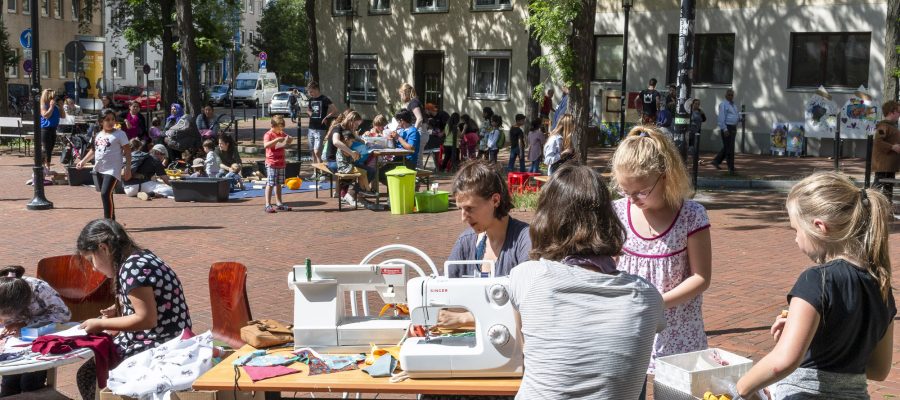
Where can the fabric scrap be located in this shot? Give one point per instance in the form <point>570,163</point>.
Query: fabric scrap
<point>383,367</point>
<point>257,374</point>
<point>325,364</point>
<point>377,352</point>
<point>105,354</point>
<point>271,360</point>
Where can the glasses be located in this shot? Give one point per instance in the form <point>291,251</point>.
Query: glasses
<point>640,195</point>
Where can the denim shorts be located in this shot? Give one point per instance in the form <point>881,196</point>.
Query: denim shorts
<point>275,175</point>
<point>315,140</point>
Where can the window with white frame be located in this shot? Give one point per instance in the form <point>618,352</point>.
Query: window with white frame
<point>430,5</point>
<point>62,65</point>
<point>489,75</point>
<point>250,6</point>
<point>26,7</point>
<point>13,70</point>
<point>58,10</point>
<point>491,5</point>
<point>380,7</point>
<point>45,8</point>
<point>342,7</point>
<point>11,6</point>
<point>156,69</point>
<point>363,78</point>
<point>608,58</point>
<point>45,64</point>
<point>75,11</point>
<point>119,70</point>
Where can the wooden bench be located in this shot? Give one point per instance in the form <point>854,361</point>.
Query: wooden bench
<point>16,124</point>
<point>354,178</point>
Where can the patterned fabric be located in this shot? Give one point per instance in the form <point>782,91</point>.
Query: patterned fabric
<point>807,383</point>
<point>663,261</point>
<point>319,364</point>
<point>275,176</point>
<point>172,366</point>
<point>46,305</point>
<point>145,269</point>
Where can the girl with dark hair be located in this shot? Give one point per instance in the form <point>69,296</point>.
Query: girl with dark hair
<point>228,153</point>
<point>26,301</point>
<point>110,145</point>
<point>151,306</point>
<point>451,141</point>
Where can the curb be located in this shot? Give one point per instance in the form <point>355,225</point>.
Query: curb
<point>717,184</point>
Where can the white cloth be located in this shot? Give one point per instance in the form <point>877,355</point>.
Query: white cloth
<point>155,373</point>
<point>159,189</point>
<point>108,152</point>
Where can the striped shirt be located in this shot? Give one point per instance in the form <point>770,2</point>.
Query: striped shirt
<point>587,334</point>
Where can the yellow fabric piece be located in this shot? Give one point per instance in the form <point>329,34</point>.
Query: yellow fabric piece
<point>380,351</point>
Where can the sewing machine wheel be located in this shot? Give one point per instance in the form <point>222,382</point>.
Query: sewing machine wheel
<point>499,335</point>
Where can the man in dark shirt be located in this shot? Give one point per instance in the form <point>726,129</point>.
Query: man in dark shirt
<point>648,102</point>
<point>517,144</point>
<point>671,99</point>
<point>320,110</point>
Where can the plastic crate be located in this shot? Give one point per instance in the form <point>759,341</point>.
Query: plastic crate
<point>432,202</point>
<point>700,371</point>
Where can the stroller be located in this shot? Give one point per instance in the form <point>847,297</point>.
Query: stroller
<point>183,136</point>
<point>76,146</point>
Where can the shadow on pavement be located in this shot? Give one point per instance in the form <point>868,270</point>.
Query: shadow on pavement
<point>173,228</point>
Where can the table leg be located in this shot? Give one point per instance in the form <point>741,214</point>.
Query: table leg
<point>377,186</point>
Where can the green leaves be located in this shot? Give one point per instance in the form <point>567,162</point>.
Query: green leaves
<point>552,21</point>
<point>282,33</point>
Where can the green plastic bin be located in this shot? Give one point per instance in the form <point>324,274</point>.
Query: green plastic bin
<point>432,202</point>
<point>401,183</point>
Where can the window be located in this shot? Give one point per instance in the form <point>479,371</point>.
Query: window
<point>119,70</point>
<point>45,8</point>
<point>45,64</point>
<point>342,7</point>
<point>76,13</point>
<point>380,7</point>
<point>250,37</point>
<point>430,6</point>
<point>250,6</point>
<point>11,6</point>
<point>489,75</point>
<point>829,59</point>
<point>242,37</point>
<point>26,7</point>
<point>363,78</point>
<point>492,5</point>
<point>62,65</point>
<point>713,59</point>
<point>58,10</point>
<point>156,69</point>
<point>13,70</point>
<point>608,58</point>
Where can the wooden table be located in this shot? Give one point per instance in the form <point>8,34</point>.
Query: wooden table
<point>221,377</point>
<point>379,153</point>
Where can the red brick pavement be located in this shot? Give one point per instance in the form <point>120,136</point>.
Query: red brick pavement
<point>755,259</point>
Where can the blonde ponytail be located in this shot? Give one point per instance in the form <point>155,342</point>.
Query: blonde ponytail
<point>646,151</point>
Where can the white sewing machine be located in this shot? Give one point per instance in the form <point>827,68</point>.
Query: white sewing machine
<point>320,310</point>
<point>494,351</point>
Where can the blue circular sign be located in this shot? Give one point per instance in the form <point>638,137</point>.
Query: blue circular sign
<point>263,56</point>
<point>25,38</point>
<point>26,65</point>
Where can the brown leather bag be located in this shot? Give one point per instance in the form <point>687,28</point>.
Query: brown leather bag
<point>264,333</point>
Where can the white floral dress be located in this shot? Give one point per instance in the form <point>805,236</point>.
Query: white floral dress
<point>663,261</point>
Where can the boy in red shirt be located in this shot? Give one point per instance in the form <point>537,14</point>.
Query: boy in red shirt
<point>275,140</point>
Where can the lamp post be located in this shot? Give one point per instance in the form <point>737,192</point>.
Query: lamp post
<point>349,29</point>
<point>38,202</point>
<point>626,5</point>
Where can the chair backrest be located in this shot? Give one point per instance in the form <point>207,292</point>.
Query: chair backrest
<point>228,301</point>
<point>10,122</point>
<point>84,290</point>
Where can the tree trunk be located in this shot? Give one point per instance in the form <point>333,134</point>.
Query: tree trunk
<point>4,89</point>
<point>582,41</point>
<point>313,39</point>
<point>190,77</point>
<point>533,74</point>
<point>169,90</point>
<point>891,58</point>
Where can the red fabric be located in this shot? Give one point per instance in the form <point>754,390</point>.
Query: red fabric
<point>259,373</point>
<point>105,355</point>
<point>274,157</point>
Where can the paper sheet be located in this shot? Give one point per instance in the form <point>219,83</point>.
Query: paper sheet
<point>73,331</point>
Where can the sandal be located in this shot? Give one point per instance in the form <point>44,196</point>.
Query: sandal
<point>282,207</point>
<point>270,210</point>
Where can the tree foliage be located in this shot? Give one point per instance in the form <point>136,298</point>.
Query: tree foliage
<point>282,33</point>
<point>9,58</point>
<point>551,21</point>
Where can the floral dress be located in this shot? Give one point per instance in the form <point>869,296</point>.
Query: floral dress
<point>46,306</point>
<point>663,261</point>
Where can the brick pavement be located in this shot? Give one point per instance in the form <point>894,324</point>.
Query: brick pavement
<point>755,259</point>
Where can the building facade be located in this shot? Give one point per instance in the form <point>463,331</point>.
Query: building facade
<point>461,55</point>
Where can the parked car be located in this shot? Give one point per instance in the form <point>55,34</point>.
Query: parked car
<point>127,94</point>
<point>218,95</point>
<point>281,104</point>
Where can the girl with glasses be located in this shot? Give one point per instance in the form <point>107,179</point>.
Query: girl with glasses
<point>668,239</point>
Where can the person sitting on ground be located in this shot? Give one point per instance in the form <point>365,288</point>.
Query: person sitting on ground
<point>199,168</point>
<point>144,167</point>
<point>157,136</point>
<point>151,308</point>
<point>213,162</point>
<point>26,301</point>
<point>571,298</point>
<point>175,114</point>
<point>234,175</point>
<point>206,123</point>
<point>228,154</point>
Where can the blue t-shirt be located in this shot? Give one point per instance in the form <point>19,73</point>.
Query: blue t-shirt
<point>53,122</point>
<point>411,136</point>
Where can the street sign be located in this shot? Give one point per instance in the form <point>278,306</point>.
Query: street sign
<point>682,121</point>
<point>146,69</point>
<point>27,53</point>
<point>263,56</point>
<point>262,65</point>
<point>75,51</point>
<point>25,38</point>
<point>113,63</point>
<point>26,65</point>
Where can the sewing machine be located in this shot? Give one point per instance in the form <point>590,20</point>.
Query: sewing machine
<point>494,351</point>
<point>320,309</point>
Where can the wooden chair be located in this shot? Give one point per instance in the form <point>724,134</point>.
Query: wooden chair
<point>229,303</point>
<point>84,290</point>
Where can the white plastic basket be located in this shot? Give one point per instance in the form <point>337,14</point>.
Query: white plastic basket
<point>700,371</point>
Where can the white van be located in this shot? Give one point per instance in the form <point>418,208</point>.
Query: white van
<point>252,88</point>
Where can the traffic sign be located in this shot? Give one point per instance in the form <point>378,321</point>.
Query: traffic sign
<point>263,64</point>
<point>146,69</point>
<point>25,38</point>
<point>113,63</point>
<point>27,53</point>
<point>263,56</point>
<point>26,65</point>
<point>75,51</point>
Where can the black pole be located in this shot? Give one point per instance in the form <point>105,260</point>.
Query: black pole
<point>254,129</point>
<point>347,78</point>
<point>624,94</point>
<point>869,143</point>
<point>231,89</point>
<point>77,68</point>
<point>837,147</point>
<point>685,68</point>
<point>743,127</point>
<point>38,202</point>
<point>696,157</point>
<point>147,93</point>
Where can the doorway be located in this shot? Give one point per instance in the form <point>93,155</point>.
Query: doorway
<point>428,76</point>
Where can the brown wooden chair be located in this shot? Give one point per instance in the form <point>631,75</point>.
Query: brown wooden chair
<point>229,303</point>
<point>84,290</point>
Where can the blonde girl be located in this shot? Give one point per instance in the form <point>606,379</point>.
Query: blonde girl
<point>559,140</point>
<point>839,327</point>
<point>411,102</point>
<point>51,112</point>
<point>668,239</point>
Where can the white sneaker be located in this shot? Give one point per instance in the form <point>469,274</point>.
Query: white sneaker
<point>348,199</point>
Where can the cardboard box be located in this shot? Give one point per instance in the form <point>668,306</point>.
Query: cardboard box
<point>105,394</point>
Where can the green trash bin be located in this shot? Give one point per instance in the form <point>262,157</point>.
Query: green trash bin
<point>401,183</point>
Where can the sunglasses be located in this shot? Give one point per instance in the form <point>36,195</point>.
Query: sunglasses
<point>640,195</point>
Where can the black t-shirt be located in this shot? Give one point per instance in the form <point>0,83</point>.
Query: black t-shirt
<point>413,104</point>
<point>144,167</point>
<point>331,152</point>
<point>853,316</point>
<point>439,121</point>
<point>515,136</point>
<point>649,101</point>
<point>318,109</point>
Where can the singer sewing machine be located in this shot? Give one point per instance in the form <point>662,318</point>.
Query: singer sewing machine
<point>321,319</point>
<point>494,351</point>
